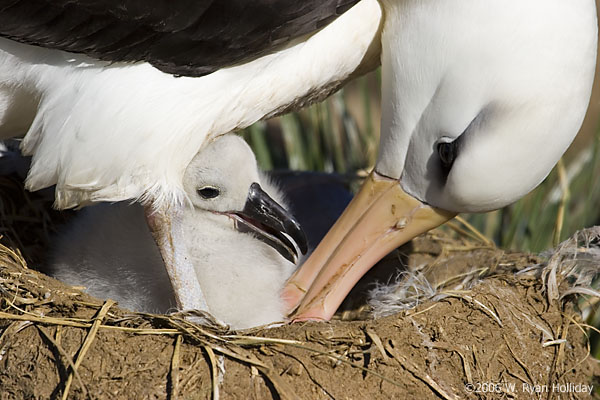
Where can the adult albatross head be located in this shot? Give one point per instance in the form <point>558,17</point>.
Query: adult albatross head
<point>480,100</point>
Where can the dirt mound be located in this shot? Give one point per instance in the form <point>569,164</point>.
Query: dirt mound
<point>507,326</point>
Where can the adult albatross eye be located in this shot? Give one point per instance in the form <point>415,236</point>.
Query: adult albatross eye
<point>447,154</point>
<point>208,192</point>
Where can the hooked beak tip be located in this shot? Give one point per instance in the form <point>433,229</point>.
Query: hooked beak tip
<point>272,223</point>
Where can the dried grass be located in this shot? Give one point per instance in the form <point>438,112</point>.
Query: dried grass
<point>513,304</point>
<point>31,299</point>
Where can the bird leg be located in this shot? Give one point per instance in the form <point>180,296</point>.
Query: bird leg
<point>165,224</point>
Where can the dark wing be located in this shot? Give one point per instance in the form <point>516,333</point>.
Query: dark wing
<point>182,37</point>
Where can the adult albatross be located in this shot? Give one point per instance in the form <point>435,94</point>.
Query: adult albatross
<point>481,98</point>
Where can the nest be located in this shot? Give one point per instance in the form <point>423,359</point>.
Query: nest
<point>506,325</point>
<point>463,320</point>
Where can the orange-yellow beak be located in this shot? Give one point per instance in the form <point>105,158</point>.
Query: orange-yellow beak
<point>379,219</point>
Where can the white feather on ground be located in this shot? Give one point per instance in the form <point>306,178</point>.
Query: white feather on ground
<point>577,259</point>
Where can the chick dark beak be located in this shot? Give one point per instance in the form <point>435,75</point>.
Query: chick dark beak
<point>271,223</point>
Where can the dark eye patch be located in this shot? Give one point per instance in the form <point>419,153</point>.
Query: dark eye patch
<point>208,192</point>
<point>447,153</point>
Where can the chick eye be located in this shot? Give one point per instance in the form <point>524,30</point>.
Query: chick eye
<point>447,154</point>
<point>208,192</point>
